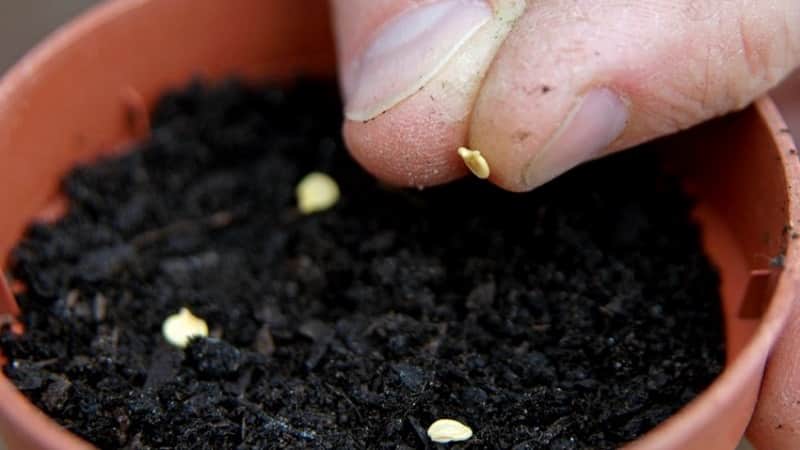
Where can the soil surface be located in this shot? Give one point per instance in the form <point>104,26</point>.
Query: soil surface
<point>577,316</point>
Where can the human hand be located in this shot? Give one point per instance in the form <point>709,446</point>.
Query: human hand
<point>542,87</point>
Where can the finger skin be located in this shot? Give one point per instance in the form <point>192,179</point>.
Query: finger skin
<point>390,146</point>
<point>673,62</point>
<point>355,23</point>
<point>415,142</point>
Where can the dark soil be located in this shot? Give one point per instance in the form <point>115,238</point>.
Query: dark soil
<point>577,316</point>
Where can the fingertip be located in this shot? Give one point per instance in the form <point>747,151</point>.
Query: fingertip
<point>408,109</point>
<point>405,149</point>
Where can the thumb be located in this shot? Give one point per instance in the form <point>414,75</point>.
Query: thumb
<point>410,71</point>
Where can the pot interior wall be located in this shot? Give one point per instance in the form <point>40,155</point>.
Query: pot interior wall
<point>734,170</point>
<point>81,97</point>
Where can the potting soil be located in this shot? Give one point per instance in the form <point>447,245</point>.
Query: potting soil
<point>577,316</point>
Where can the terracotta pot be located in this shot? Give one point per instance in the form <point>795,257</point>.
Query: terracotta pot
<point>87,90</point>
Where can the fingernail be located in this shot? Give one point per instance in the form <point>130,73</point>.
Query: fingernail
<point>589,128</point>
<point>407,52</point>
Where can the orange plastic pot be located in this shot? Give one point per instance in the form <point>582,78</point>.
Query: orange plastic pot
<point>86,91</point>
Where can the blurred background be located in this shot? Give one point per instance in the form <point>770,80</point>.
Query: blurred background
<point>23,23</point>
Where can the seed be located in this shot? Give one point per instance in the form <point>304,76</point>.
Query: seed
<point>179,328</point>
<point>475,162</point>
<point>316,192</point>
<point>449,430</point>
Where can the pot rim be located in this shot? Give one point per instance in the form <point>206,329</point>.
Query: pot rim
<point>18,414</point>
<point>722,391</point>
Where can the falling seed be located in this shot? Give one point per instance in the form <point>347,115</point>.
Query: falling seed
<point>449,430</point>
<point>179,328</point>
<point>316,192</point>
<point>475,162</point>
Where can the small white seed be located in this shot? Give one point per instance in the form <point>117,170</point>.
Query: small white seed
<point>179,329</point>
<point>449,430</point>
<point>316,192</point>
<point>475,162</point>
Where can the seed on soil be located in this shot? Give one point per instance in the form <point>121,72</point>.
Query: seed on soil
<point>449,430</point>
<point>180,328</point>
<point>316,192</point>
<point>475,162</point>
